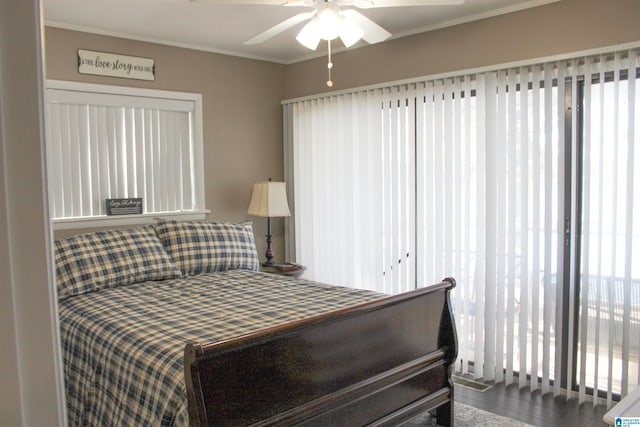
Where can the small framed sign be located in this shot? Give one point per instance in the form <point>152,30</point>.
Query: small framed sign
<point>131,206</point>
<point>113,65</point>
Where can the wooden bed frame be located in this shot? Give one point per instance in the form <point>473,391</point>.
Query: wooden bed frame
<point>377,363</point>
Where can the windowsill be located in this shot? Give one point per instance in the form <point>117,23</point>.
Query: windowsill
<point>116,220</point>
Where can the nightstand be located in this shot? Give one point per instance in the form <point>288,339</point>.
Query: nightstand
<point>286,269</point>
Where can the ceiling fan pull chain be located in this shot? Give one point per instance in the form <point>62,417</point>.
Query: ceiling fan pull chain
<point>329,65</point>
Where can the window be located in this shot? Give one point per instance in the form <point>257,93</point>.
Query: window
<point>107,142</point>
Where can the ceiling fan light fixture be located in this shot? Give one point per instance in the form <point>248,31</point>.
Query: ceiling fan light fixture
<point>329,24</point>
<point>309,35</point>
<point>329,21</point>
<point>350,32</point>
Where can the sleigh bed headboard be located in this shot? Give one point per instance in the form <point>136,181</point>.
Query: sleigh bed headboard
<point>377,363</point>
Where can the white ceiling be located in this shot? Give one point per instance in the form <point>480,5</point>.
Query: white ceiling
<point>205,25</point>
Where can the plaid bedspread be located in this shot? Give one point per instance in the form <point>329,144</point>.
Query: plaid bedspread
<point>123,347</point>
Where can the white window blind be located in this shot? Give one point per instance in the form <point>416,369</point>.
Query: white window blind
<point>109,142</point>
<point>609,322</point>
<point>354,178</point>
<point>504,179</point>
<point>488,214</point>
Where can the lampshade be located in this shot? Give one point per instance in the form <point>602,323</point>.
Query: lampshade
<point>329,21</point>
<point>309,36</point>
<point>269,199</point>
<point>350,33</point>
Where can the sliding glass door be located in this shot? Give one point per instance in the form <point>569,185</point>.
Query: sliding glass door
<point>521,183</point>
<point>609,255</point>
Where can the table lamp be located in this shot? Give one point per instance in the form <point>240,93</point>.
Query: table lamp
<point>269,199</point>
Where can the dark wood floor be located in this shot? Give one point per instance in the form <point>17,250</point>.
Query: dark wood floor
<point>532,408</point>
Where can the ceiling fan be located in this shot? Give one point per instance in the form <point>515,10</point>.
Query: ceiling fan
<point>332,19</point>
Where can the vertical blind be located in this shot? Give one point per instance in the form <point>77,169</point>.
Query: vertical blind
<point>102,145</point>
<point>478,177</point>
<point>609,327</point>
<point>489,212</point>
<point>354,200</point>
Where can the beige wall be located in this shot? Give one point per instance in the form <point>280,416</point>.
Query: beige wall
<point>241,109</point>
<point>556,28</point>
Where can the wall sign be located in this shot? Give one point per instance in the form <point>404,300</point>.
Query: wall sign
<point>113,65</point>
<point>130,206</point>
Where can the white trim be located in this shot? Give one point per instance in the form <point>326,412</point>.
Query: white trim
<point>488,68</point>
<point>121,90</point>
<point>629,406</point>
<point>69,92</point>
<point>476,17</point>
<point>115,100</point>
<point>91,30</point>
<point>33,390</point>
<point>108,221</point>
<point>198,154</point>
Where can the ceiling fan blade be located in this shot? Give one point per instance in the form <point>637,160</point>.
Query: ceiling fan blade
<point>368,4</point>
<point>278,28</point>
<point>245,2</point>
<point>373,33</point>
<point>293,3</point>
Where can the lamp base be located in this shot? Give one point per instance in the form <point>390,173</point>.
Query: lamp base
<point>269,254</point>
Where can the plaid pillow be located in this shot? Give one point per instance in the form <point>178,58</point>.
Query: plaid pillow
<point>105,259</point>
<point>202,247</point>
